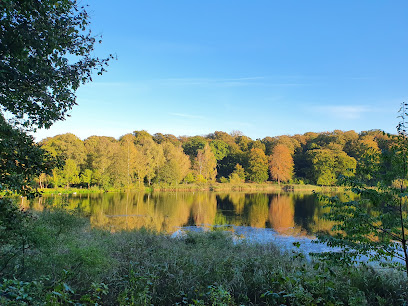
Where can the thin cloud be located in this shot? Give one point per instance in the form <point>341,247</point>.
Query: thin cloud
<point>350,112</point>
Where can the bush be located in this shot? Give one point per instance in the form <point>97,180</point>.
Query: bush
<point>68,262</point>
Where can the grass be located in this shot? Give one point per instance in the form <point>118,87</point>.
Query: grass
<point>93,189</point>
<point>69,262</point>
<point>268,186</point>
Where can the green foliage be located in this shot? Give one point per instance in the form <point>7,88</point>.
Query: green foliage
<point>224,180</point>
<point>369,226</point>
<point>257,144</point>
<point>72,263</point>
<point>243,142</point>
<point>86,177</point>
<point>193,144</point>
<point>240,171</point>
<point>374,225</point>
<point>20,292</point>
<point>20,160</point>
<point>219,296</point>
<point>257,166</point>
<point>234,179</point>
<point>45,56</point>
<point>168,173</point>
<point>189,178</point>
<point>200,179</point>
<point>328,165</point>
<point>70,173</point>
<point>15,237</point>
<point>39,77</point>
<point>227,165</point>
<point>238,176</point>
<point>15,292</point>
<point>317,158</point>
<point>137,289</point>
<point>66,146</point>
<point>219,148</point>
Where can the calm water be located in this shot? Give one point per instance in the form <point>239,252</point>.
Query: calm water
<point>285,214</point>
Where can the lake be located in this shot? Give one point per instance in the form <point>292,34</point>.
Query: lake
<point>291,214</point>
<point>279,217</point>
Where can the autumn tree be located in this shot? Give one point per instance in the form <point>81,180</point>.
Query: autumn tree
<point>128,146</point>
<point>238,175</point>
<point>281,164</point>
<point>70,173</point>
<point>118,168</point>
<point>176,166</point>
<point>243,142</point>
<point>173,139</point>
<point>328,165</point>
<point>257,166</point>
<point>206,164</point>
<point>69,149</point>
<point>142,136</point>
<point>140,165</point>
<point>257,144</point>
<point>152,157</point>
<point>100,152</point>
<point>66,146</point>
<point>86,177</point>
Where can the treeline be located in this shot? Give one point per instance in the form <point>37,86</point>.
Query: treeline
<point>140,159</point>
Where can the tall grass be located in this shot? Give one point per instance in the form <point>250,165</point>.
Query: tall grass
<point>69,262</point>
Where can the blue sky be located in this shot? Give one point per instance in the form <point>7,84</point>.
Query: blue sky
<point>265,68</point>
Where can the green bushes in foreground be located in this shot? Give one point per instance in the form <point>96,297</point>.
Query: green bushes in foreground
<point>67,262</point>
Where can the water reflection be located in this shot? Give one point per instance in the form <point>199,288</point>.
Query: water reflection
<point>287,213</point>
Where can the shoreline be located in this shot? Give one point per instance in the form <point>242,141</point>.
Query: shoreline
<point>215,187</point>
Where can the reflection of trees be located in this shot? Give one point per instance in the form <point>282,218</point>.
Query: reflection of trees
<point>230,208</point>
<point>238,200</point>
<point>322,225</point>
<point>281,214</point>
<point>159,212</point>
<point>258,210</point>
<point>305,207</point>
<point>171,211</point>
<point>165,212</point>
<point>319,223</point>
<point>204,208</point>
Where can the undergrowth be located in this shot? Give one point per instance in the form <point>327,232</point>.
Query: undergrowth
<point>65,261</point>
